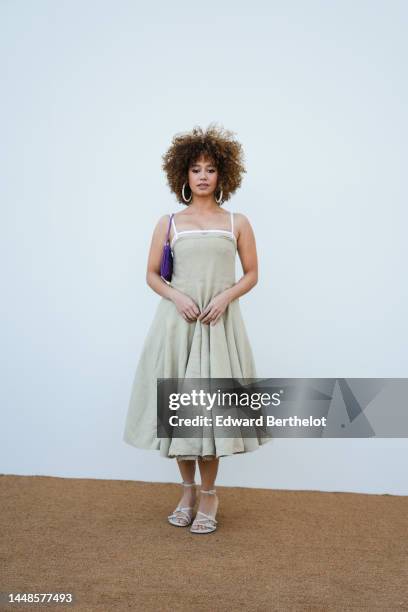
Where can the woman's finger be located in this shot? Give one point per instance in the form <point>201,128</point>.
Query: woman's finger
<point>208,317</point>
<point>192,314</point>
<point>205,311</point>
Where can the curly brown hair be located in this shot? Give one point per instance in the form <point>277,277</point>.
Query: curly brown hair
<point>216,144</point>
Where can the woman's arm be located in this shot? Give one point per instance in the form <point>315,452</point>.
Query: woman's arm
<point>187,308</point>
<point>247,253</point>
<point>153,278</point>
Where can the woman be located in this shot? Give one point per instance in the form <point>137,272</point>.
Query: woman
<point>198,330</point>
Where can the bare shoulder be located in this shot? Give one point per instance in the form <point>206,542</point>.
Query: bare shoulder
<point>241,219</point>
<point>163,220</point>
<point>242,223</point>
<point>162,223</point>
<point>160,229</point>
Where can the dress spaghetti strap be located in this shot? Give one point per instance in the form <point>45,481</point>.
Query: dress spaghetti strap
<point>174,227</point>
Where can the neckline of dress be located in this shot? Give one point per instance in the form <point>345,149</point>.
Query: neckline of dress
<point>203,231</point>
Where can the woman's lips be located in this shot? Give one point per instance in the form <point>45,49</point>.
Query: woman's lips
<point>203,185</point>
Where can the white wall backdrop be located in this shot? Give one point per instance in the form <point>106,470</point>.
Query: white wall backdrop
<point>92,93</point>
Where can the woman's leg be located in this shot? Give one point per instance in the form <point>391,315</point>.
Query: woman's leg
<point>208,503</point>
<point>208,472</point>
<point>187,470</point>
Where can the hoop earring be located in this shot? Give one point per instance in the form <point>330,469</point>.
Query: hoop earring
<point>183,194</point>
<point>219,200</point>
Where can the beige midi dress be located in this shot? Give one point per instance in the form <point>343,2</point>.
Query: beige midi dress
<point>203,266</point>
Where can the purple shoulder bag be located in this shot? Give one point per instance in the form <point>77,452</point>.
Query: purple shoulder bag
<point>166,265</point>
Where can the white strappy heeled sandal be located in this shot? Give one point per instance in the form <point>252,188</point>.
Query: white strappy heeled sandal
<point>182,513</point>
<point>208,523</point>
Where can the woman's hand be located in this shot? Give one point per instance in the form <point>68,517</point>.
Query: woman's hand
<point>186,307</point>
<point>215,309</point>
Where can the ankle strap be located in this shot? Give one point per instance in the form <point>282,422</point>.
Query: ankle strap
<point>211,492</point>
<point>188,484</point>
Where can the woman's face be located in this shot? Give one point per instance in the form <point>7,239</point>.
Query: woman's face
<point>203,177</point>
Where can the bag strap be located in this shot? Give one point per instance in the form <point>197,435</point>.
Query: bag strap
<point>168,229</point>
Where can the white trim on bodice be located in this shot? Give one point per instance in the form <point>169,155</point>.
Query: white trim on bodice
<point>203,231</point>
